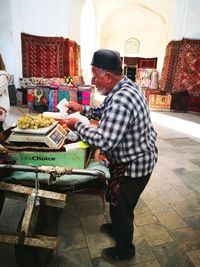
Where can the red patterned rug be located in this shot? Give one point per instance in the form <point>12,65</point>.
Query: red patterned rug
<point>44,56</point>
<point>170,62</point>
<point>147,63</point>
<point>72,59</point>
<point>187,75</point>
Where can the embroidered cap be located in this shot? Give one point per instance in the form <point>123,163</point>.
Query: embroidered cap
<point>106,59</point>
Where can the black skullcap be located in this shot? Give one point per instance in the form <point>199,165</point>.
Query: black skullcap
<point>106,59</point>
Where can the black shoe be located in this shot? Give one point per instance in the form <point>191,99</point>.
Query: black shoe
<point>107,229</point>
<point>111,255</point>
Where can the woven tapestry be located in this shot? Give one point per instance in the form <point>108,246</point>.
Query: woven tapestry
<point>78,60</point>
<point>187,72</point>
<point>147,63</point>
<point>72,59</point>
<point>43,56</point>
<point>169,65</point>
<point>38,99</point>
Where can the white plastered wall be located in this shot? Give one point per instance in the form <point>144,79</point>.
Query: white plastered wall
<point>107,23</point>
<point>151,31</point>
<point>36,17</point>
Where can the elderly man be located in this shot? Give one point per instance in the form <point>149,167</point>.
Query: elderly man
<point>126,135</point>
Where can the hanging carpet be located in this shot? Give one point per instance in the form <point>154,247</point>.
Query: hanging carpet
<point>187,75</point>
<point>170,62</point>
<point>44,56</point>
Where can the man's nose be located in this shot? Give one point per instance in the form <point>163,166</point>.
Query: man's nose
<point>93,81</point>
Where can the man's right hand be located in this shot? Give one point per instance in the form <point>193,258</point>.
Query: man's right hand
<point>71,123</point>
<point>74,107</point>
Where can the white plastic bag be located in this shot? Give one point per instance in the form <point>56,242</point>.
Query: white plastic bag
<point>80,117</point>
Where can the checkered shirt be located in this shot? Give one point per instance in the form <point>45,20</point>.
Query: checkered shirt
<point>125,132</point>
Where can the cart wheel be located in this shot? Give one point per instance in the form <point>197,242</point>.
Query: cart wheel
<point>47,224</point>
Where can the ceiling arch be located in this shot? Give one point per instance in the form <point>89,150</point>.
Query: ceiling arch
<point>118,20</point>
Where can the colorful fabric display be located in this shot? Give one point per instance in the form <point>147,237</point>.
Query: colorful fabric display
<point>79,95</point>
<point>38,99</point>
<point>63,87</point>
<point>63,94</point>
<point>51,101</point>
<point>40,81</point>
<point>55,96</point>
<point>60,95</point>
<point>66,94</point>
<point>42,98</point>
<point>143,77</point>
<point>26,82</point>
<point>59,81</point>
<point>85,97</point>
<point>55,102</point>
<point>73,95</point>
<point>30,99</point>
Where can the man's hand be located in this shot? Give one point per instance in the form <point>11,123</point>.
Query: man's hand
<point>71,123</point>
<point>74,107</point>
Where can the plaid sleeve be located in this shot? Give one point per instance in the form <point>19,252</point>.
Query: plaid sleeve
<point>93,112</point>
<point>111,130</point>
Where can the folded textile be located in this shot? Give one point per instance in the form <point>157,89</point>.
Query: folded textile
<point>51,101</point>
<point>86,98</point>
<point>73,96</point>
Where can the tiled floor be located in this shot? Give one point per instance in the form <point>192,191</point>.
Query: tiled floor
<point>167,217</point>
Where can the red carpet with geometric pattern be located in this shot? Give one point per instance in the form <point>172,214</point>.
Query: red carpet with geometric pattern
<point>47,56</point>
<point>169,66</point>
<point>187,72</point>
<point>181,74</point>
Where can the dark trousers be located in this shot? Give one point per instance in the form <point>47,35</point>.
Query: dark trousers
<point>122,215</point>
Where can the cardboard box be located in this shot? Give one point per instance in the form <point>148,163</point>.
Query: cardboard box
<point>76,158</point>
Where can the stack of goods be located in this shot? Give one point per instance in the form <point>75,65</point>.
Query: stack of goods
<point>143,77</point>
<point>43,94</point>
<point>147,78</point>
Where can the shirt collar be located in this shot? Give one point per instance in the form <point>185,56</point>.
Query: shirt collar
<point>116,88</point>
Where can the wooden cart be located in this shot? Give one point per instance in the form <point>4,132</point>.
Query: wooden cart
<point>36,237</point>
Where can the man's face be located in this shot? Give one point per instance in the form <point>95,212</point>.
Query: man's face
<point>100,80</point>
